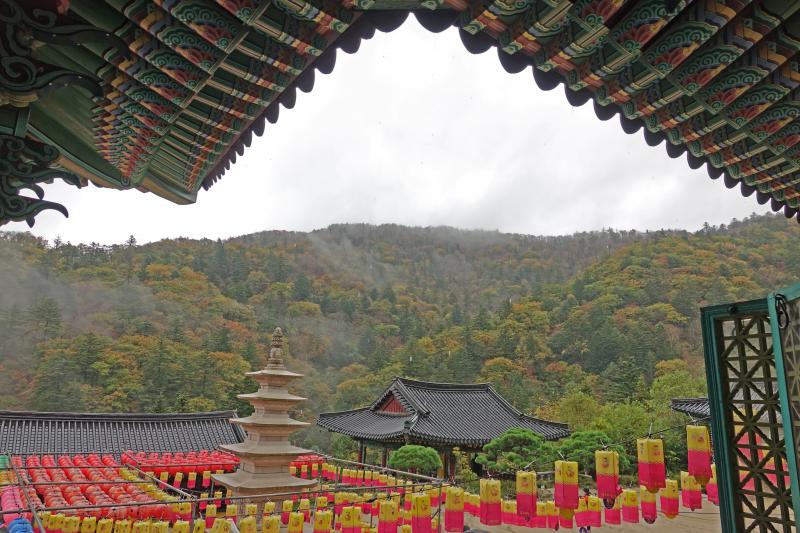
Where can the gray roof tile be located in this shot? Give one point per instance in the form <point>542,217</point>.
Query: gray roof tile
<point>439,413</point>
<point>25,432</point>
<point>694,407</point>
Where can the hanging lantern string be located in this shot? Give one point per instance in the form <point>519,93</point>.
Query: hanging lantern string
<point>624,443</point>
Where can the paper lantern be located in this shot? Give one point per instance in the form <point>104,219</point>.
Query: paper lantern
<point>712,489</point>
<point>540,519</point>
<point>269,508</point>
<point>566,484</point>
<point>122,526</point>
<point>322,521</point>
<point>246,525</point>
<point>607,465</point>
<point>106,525</point>
<point>565,518</point>
<point>296,521</point>
<point>350,521</point>
<point>652,471</point>
<point>421,513</point>
<point>648,504</point>
<point>454,510</point>
<point>287,506</point>
<point>199,527</point>
<point>669,499</point>
<point>613,515</point>
<point>211,515</point>
<point>691,496</point>
<point>582,513</point>
<point>232,512</point>
<point>526,494</point>
<point>630,506</point>
<point>191,480</point>
<point>388,516</point>
<point>271,524</point>
<point>698,442</point>
<point>594,511</point>
<point>490,513</point>
<point>552,515</point>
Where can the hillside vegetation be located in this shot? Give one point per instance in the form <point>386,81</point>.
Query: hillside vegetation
<point>595,329</point>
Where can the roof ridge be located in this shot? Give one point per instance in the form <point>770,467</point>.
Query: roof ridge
<point>439,386</point>
<point>331,413</point>
<point>543,421</point>
<point>116,416</point>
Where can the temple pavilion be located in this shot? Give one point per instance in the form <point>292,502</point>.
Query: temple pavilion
<point>164,96</point>
<point>440,415</point>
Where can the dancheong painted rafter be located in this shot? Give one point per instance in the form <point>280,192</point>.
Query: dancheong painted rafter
<point>163,95</point>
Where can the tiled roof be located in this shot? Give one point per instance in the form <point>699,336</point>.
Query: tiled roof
<point>438,413</point>
<point>695,407</point>
<point>39,433</point>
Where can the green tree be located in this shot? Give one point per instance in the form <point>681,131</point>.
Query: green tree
<point>581,445</point>
<point>416,459</point>
<point>509,379</point>
<point>44,317</point>
<point>515,449</point>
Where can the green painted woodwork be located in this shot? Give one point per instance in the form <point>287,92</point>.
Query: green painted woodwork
<point>24,163</point>
<point>755,394</point>
<point>175,88</point>
<point>784,309</point>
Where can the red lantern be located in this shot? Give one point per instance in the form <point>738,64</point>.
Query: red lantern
<point>669,499</point>
<point>698,442</point>
<point>652,471</point>
<point>691,497</point>
<point>566,485</point>
<point>630,506</point>
<point>711,488</point>
<point>607,465</point>
<point>526,494</point>
<point>613,515</point>
<point>648,504</point>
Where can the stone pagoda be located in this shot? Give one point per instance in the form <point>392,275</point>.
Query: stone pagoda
<point>266,452</point>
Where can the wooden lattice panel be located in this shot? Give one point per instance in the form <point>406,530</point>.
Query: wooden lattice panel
<point>761,495</point>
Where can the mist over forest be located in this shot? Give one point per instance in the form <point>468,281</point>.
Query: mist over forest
<point>597,329</point>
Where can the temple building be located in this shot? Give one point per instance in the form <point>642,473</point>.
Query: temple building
<point>440,415</point>
<point>26,432</point>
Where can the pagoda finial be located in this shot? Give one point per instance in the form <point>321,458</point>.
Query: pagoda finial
<point>276,350</point>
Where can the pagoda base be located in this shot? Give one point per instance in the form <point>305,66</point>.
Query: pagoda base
<point>243,483</point>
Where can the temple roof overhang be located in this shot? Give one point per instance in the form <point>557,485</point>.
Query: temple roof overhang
<point>439,414</point>
<point>164,95</point>
<point>694,407</point>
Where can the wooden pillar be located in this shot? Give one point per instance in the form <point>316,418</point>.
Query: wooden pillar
<point>365,460</point>
<point>385,457</point>
<point>451,465</point>
<point>360,452</point>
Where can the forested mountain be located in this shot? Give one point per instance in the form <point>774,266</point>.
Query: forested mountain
<point>597,329</point>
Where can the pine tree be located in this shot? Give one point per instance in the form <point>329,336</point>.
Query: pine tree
<point>44,318</point>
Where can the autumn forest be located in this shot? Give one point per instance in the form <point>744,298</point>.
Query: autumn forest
<point>595,329</point>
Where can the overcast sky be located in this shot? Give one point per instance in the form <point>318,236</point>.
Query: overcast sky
<point>413,129</point>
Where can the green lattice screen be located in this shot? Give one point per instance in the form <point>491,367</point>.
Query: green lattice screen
<point>755,493</point>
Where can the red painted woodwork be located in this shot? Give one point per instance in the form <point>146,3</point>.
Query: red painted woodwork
<point>392,405</point>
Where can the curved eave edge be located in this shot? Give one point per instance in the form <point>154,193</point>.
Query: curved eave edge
<point>363,28</point>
